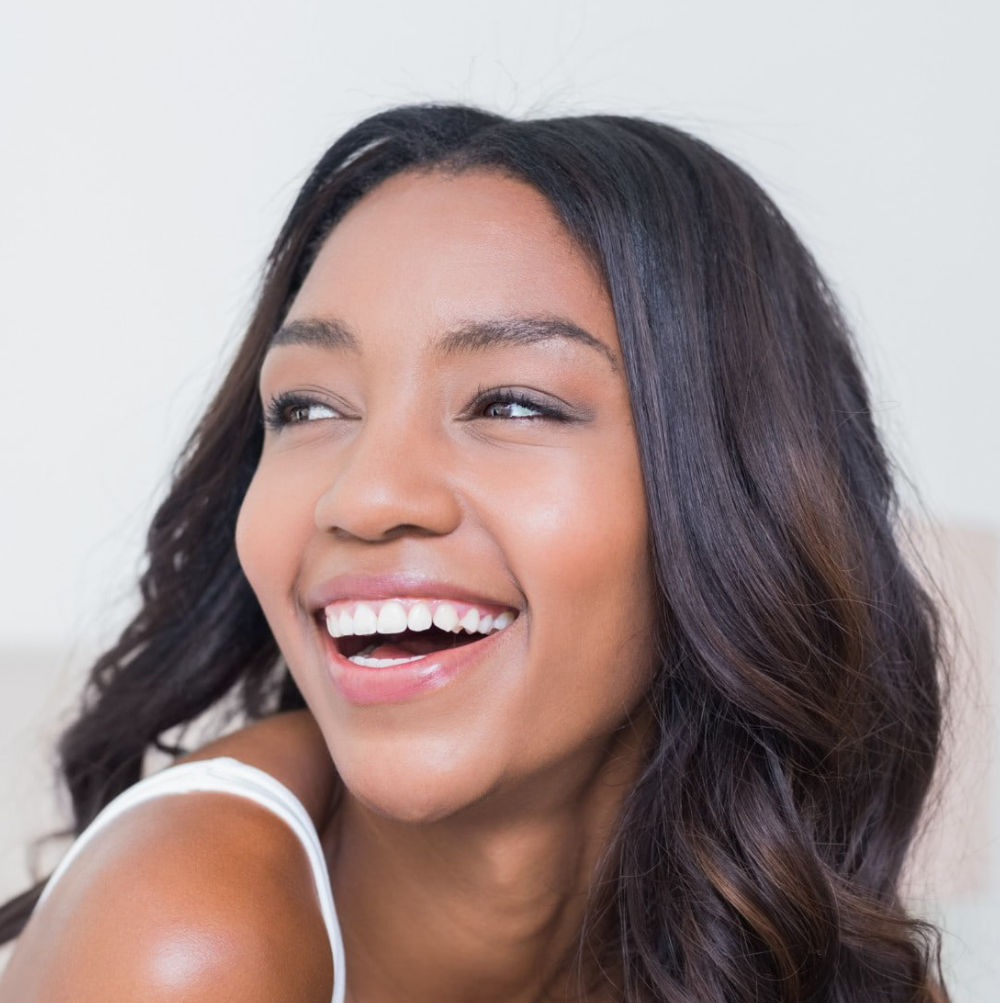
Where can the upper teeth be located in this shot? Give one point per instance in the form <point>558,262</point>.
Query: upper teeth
<point>393,616</point>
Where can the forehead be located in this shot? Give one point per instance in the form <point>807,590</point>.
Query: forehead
<point>431,251</point>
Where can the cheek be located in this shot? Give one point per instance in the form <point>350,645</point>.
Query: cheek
<point>583,533</point>
<point>579,547</point>
<point>269,532</point>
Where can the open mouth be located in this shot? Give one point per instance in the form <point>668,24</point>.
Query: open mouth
<point>395,632</point>
<point>394,649</point>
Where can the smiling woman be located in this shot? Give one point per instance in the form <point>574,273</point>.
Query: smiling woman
<point>543,521</point>
<point>462,386</point>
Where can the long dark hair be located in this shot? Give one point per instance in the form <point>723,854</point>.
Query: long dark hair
<point>758,857</point>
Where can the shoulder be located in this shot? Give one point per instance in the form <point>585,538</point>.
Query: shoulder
<point>183,898</point>
<point>289,747</point>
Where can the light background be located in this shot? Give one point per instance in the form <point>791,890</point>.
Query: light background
<point>150,153</point>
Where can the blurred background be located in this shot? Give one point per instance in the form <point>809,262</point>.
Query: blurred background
<point>151,151</point>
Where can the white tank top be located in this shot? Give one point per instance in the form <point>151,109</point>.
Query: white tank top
<point>228,776</point>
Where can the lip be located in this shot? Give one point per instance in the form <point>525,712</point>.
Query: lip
<point>395,585</point>
<point>360,684</point>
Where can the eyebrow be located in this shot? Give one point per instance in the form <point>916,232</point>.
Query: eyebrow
<point>475,336</point>
<point>323,333</point>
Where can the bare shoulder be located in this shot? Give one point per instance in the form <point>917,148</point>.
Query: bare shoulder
<point>291,748</point>
<point>187,898</point>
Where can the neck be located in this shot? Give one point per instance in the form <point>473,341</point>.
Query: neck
<point>487,904</point>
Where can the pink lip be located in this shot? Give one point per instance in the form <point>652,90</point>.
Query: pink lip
<point>391,586</point>
<point>362,685</point>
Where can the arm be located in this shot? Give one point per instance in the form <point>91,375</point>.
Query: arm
<point>190,898</point>
<point>201,896</point>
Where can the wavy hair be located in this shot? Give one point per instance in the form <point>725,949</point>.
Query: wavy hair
<point>758,856</point>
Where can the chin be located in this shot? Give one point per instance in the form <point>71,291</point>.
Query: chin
<point>411,788</point>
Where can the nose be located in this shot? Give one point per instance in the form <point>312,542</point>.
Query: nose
<point>391,481</point>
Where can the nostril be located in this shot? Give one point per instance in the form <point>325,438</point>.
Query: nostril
<point>387,499</point>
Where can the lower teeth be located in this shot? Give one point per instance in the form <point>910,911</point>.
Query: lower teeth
<point>364,658</point>
<point>381,663</point>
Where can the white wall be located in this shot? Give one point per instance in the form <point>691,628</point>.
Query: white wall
<point>150,152</point>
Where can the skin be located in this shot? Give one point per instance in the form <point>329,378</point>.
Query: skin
<point>468,822</point>
<point>473,816</point>
<point>218,876</point>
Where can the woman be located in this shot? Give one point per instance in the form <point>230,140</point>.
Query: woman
<point>547,469</point>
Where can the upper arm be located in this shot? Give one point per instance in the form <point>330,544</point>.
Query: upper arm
<point>190,898</point>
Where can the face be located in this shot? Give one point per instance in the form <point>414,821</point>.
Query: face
<point>450,483</point>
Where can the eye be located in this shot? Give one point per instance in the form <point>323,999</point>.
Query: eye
<point>513,404</point>
<point>510,409</point>
<point>294,409</point>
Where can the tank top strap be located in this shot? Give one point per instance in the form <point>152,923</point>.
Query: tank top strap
<point>224,775</point>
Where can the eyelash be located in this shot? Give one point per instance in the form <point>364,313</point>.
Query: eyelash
<point>498,395</point>
<point>276,412</point>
